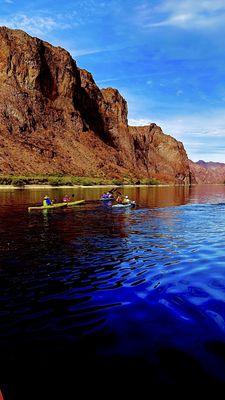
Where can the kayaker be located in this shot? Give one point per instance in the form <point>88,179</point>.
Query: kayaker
<point>119,199</point>
<point>106,196</point>
<point>126,200</point>
<point>47,201</point>
<point>66,198</point>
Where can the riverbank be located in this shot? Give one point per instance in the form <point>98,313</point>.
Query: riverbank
<point>37,187</point>
<point>50,181</point>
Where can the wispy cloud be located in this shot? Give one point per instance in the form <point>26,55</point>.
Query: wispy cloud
<point>85,52</point>
<point>190,5</point>
<point>35,25</point>
<point>186,14</point>
<point>108,80</point>
<point>93,50</point>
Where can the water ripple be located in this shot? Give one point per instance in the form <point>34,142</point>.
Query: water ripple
<point>155,273</point>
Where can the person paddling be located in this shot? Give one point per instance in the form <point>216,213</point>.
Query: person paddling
<point>66,198</point>
<point>119,199</point>
<point>126,200</point>
<point>47,201</point>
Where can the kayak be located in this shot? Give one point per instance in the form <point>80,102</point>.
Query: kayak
<point>132,204</point>
<point>57,205</point>
<point>75,203</point>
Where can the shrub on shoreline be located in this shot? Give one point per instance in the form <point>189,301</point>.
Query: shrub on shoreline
<point>149,181</point>
<point>66,180</point>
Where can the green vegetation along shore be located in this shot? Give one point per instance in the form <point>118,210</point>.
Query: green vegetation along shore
<point>66,180</point>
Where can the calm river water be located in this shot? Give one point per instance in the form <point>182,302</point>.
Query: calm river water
<point>141,290</point>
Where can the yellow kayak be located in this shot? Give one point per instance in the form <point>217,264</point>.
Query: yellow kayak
<point>57,205</point>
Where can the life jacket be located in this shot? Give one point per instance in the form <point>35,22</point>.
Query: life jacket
<point>47,202</point>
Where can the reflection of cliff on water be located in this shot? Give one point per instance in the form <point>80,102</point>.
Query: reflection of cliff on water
<point>152,196</point>
<point>207,193</point>
<point>160,196</point>
<point>147,196</point>
<point>52,230</point>
<point>57,236</point>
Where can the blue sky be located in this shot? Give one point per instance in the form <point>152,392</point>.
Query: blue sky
<point>166,57</point>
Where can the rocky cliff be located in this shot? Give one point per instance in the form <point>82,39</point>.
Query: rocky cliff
<point>207,172</point>
<point>160,155</point>
<point>54,118</point>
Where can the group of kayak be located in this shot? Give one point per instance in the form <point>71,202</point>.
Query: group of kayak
<point>113,199</point>
<point>120,199</point>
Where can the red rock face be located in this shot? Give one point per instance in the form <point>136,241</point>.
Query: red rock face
<point>160,155</point>
<point>207,172</point>
<point>54,118</point>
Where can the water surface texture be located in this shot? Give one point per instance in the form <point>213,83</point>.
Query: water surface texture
<point>140,290</point>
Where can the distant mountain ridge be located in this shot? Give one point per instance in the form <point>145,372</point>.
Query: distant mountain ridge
<point>210,164</point>
<point>207,172</point>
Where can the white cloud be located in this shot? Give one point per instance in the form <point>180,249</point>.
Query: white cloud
<point>190,6</point>
<point>189,21</point>
<point>186,14</point>
<point>35,25</point>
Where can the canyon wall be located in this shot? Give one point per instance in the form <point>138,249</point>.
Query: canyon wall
<point>54,118</point>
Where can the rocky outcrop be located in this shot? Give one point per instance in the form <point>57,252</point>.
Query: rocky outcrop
<point>161,155</point>
<point>207,172</point>
<point>54,118</point>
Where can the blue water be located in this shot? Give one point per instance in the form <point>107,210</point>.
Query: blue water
<point>137,289</point>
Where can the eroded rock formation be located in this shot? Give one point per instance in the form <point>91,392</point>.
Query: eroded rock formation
<point>54,118</point>
<point>160,155</point>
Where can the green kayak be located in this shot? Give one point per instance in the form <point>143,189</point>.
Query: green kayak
<point>57,205</point>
